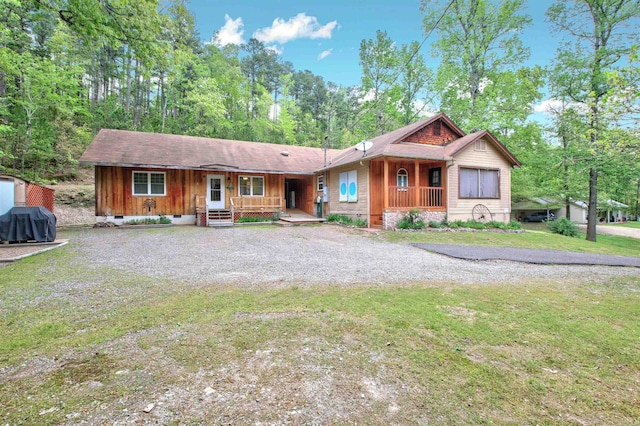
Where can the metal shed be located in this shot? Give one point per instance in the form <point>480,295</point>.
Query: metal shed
<point>16,192</point>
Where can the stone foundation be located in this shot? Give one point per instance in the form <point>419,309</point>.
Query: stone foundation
<point>390,219</point>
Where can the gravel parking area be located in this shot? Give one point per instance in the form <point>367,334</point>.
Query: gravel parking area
<point>296,256</point>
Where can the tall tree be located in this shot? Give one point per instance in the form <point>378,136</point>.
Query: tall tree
<point>600,34</point>
<point>478,44</point>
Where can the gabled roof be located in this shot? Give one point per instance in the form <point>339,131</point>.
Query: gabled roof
<point>454,147</point>
<point>392,145</point>
<point>155,150</point>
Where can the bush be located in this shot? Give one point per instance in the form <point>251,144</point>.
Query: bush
<point>434,224</point>
<point>514,224</point>
<point>474,224</point>
<point>252,219</point>
<point>564,226</point>
<point>342,219</point>
<point>495,224</point>
<point>412,220</point>
<point>162,220</point>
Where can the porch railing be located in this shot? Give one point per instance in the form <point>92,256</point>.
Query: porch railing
<point>416,197</point>
<point>256,203</point>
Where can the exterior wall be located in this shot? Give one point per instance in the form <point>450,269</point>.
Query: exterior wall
<point>359,209</point>
<point>114,192</point>
<point>460,208</point>
<point>30,194</point>
<point>578,214</point>
<point>391,218</point>
<point>427,135</point>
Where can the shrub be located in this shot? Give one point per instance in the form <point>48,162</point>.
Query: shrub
<point>434,224</point>
<point>474,224</point>
<point>412,220</point>
<point>162,220</point>
<point>252,219</point>
<point>342,219</point>
<point>514,224</point>
<point>495,225</point>
<point>564,226</point>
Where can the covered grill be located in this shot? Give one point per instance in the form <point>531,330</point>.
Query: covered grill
<point>23,224</point>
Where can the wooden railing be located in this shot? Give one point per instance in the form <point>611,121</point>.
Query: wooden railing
<point>416,197</point>
<point>257,203</point>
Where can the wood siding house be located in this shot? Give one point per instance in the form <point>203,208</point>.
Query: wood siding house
<point>430,165</point>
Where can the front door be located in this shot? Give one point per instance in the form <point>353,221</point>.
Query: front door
<point>215,192</point>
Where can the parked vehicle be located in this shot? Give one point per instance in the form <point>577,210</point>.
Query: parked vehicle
<point>539,217</point>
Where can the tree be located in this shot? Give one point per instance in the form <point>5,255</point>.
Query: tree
<point>481,56</point>
<point>600,32</point>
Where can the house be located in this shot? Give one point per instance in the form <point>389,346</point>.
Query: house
<point>430,165</point>
<point>19,193</point>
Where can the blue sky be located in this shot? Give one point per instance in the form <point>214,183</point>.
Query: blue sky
<point>324,36</point>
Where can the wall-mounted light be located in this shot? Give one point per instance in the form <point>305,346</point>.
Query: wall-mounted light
<point>229,185</point>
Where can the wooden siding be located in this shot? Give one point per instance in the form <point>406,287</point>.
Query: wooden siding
<point>361,207</point>
<point>427,135</point>
<point>114,193</point>
<point>460,208</point>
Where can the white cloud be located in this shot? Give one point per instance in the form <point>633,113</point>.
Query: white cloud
<point>551,106</point>
<point>276,49</point>
<point>300,26</point>
<point>230,33</point>
<point>324,54</point>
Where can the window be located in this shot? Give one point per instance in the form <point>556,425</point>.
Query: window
<point>252,186</point>
<point>479,183</point>
<point>320,182</point>
<point>349,186</point>
<point>149,183</point>
<point>435,177</point>
<point>402,178</point>
<point>480,145</point>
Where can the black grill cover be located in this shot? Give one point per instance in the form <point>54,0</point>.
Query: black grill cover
<point>21,224</point>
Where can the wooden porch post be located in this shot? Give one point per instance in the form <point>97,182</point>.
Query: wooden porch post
<point>417,183</point>
<point>386,184</point>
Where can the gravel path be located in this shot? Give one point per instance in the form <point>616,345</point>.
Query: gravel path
<point>536,256</point>
<point>308,255</point>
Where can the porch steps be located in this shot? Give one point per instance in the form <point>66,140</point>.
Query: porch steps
<point>218,218</point>
<point>376,222</point>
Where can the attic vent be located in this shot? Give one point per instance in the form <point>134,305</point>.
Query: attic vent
<point>284,153</point>
<point>480,145</point>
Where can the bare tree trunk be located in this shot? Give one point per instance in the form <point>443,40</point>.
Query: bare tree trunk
<point>593,204</point>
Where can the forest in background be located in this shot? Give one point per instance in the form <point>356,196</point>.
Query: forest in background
<point>71,67</point>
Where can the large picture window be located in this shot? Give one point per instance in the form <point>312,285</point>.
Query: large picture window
<point>149,183</point>
<point>252,186</point>
<point>479,183</point>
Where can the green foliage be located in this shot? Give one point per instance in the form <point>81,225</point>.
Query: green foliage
<point>411,220</point>
<point>162,220</point>
<point>564,226</point>
<point>434,224</point>
<point>473,224</point>
<point>514,225</point>
<point>341,219</point>
<point>256,219</point>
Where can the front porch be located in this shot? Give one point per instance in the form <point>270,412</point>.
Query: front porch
<point>401,185</point>
<point>239,207</point>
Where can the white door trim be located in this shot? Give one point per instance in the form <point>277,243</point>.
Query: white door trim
<point>215,203</point>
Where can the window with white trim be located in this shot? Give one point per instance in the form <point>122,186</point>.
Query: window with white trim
<point>479,183</point>
<point>402,178</point>
<point>320,182</point>
<point>252,186</point>
<point>149,183</point>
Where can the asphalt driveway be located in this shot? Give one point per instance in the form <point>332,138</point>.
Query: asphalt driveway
<point>526,255</point>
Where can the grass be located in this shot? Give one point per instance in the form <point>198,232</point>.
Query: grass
<point>536,236</point>
<point>78,343</point>
<point>635,225</point>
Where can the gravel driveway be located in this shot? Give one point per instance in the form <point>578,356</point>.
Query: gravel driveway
<point>306,255</point>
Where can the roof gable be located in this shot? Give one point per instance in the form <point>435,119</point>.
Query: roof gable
<point>437,131</point>
<point>455,147</point>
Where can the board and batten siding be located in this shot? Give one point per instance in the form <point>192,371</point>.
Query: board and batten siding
<point>351,209</point>
<point>492,159</point>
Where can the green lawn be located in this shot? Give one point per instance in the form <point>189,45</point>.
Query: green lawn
<point>84,343</point>
<point>635,225</point>
<point>535,236</point>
